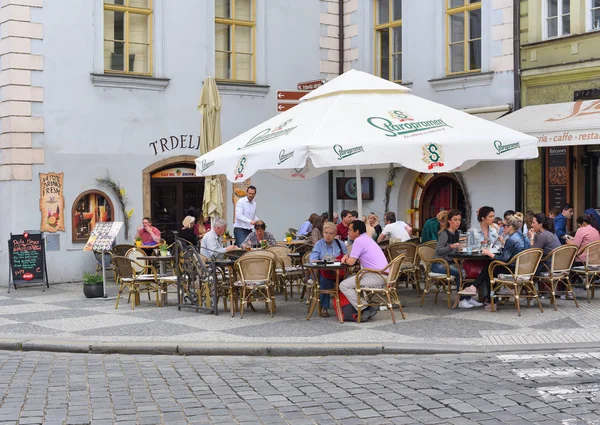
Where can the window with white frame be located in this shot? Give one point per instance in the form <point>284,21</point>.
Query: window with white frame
<point>128,36</point>
<point>558,18</point>
<point>388,39</point>
<point>235,25</point>
<point>593,21</point>
<point>464,36</point>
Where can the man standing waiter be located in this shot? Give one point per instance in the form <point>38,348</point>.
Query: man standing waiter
<point>245,216</point>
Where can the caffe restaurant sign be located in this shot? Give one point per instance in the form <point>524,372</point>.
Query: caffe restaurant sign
<point>175,143</point>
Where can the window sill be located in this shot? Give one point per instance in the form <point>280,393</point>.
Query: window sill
<point>129,82</point>
<point>462,81</point>
<point>242,89</point>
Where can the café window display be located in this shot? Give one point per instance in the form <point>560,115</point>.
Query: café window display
<point>91,207</point>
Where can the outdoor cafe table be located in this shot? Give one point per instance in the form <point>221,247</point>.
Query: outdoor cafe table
<point>314,269</point>
<point>461,256</point>
<point>162,264</point>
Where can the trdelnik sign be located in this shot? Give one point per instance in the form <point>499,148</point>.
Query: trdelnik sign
<point>269,134</point>
<point>402,124</point>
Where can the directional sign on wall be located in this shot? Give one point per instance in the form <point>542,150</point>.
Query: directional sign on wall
<point>290,95</point>
<point>282,107</point>
<point>310,85</point>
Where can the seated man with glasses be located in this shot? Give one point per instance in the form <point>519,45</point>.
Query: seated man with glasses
<point>260,237</point>
<point>331,249</point>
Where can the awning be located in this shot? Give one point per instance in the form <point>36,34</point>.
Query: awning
<point>558,124</point>
<point>490,113</point>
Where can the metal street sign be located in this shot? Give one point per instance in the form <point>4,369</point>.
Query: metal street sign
<point>282,107</point>
<point>290,95</point>
<point>310,85</point>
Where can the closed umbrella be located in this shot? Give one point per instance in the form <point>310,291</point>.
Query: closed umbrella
<point>210,138</point>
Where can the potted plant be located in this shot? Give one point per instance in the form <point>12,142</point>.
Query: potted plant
<point>138,241</point>
<point>92,285</point>
<point>227,234</point>
<point>288,236</point>
<point>164,249</point>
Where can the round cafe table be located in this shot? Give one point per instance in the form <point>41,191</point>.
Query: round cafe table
<point>314,269</point>
<point>458,259</point>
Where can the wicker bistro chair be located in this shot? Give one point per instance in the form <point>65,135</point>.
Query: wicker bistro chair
<point>386,295</point>
<point>556,267</point>
<point>441,281</point>
<point>410,266</point>
<point>134,254</point>
<point>590,271</point>
<point>146,279</point>
<point>122,249</point>
<point>255,272</point>
<point>288,275</point>
<point>516,283</point>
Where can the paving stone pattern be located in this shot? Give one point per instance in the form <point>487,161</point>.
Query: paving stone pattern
<point>544,388</point>
<point>63,313</point>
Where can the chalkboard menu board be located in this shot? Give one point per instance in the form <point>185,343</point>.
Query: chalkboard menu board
<point>557,177</point>
<point>27,256</point>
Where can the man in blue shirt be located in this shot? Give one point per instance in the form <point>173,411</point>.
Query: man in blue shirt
<point>560,223</point>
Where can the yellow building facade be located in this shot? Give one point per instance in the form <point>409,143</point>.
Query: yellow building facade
<point>560,64</point>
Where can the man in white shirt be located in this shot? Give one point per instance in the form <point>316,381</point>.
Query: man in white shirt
<point>212,244</point>
<point>395,231</point>
<point>245,216</point>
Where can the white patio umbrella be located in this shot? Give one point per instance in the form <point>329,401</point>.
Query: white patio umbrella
<point>357,120</point>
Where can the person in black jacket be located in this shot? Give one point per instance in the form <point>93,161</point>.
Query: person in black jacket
<point>187,232</point>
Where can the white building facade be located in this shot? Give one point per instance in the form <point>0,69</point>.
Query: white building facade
<point>111,88</point>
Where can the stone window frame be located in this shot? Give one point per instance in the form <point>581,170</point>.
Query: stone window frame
<point>559,15</point>
<point>158,81</point>
<point>465,9</point>
<point>389,25</point>
<point>74,211</point>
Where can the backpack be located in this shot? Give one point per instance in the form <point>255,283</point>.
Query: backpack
<point>349,313</point>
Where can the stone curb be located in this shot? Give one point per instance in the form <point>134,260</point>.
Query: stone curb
<point>273,349</point>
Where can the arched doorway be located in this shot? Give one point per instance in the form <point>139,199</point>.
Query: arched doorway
<point>175,192</point>
<point>435,192</point>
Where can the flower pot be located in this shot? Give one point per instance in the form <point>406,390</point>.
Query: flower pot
<point>288,238</point>
<point>164,253</point>
<point>138,243</point>
<point>93,291</point>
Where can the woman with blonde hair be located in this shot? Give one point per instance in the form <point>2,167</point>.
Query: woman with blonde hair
<point>516,242</point>
<point>373,221</point>
<point>187,232</point>
<point>370,229</point>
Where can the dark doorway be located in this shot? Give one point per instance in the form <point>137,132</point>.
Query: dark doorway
<point>442,192</point>
<point>173,199</point>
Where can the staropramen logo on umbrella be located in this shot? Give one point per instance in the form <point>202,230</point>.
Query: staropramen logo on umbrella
<point>345,153</point>
<point>402,124</point>
<point>269,134</point>
<point>433,156</point>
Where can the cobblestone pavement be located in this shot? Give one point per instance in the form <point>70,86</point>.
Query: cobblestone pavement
<point>62,313</point>
<point>544,388</point>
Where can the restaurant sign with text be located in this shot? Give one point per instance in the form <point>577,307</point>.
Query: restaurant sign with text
<point>185,142</point>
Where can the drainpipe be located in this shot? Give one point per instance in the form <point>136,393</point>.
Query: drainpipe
<point>519,173</point>
<point>340,72</point>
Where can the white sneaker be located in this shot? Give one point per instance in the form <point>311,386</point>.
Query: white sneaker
<point>465,304</point>
<point>566,297</point>
<point>474,302</point>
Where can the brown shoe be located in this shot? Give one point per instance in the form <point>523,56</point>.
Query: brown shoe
<point>324,312</point>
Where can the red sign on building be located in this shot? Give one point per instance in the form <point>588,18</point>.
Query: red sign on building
<point>310,85</point>
<point>282,107</point>
<point>290,95</point>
